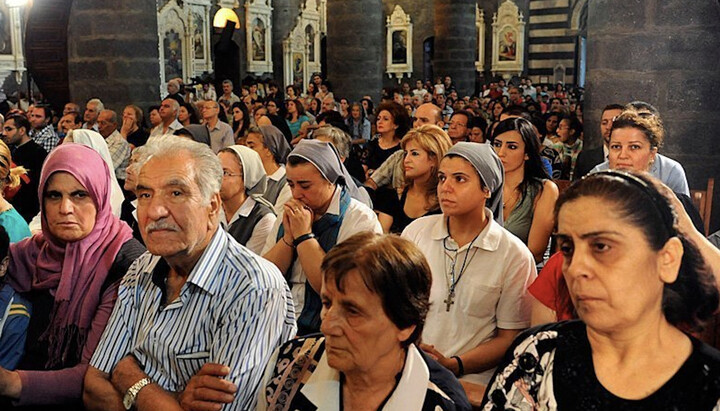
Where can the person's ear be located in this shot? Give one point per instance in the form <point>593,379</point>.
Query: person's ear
<point>669,260</point>
<point>214,211</point>
<point>405,333</point>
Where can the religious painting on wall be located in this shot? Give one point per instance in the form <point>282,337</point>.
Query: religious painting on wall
<point>508,45</point>
<point>508,41</point>
<point>258,40</point>
<point>173,55</point>
<point>399,42</point>
<point>198,35</point>
<point>5,26</point>
<point>297,66</point>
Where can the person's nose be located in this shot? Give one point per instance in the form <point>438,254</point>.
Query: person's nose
<point>66,205</point>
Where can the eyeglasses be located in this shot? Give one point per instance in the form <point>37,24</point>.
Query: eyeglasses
<point>455,124</point>
<point>229,174</point>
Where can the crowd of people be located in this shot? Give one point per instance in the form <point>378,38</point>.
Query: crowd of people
<point>299,250</point>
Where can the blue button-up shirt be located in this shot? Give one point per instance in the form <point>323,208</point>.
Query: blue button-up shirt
<point>234,309</point>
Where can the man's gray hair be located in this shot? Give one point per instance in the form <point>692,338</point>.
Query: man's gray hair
<point>227,82</point>
<point>98,104</point>
<point>339,138</point>
<point>113,116</point>
<point>206,165</point>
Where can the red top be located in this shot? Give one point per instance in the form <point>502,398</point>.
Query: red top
<point>551,290</point>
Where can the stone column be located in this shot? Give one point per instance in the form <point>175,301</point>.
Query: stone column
<point>356,47</point>
<point>455,43</point>
<point>109,57</point>
<point>285,14</point>
<point>664,52</point>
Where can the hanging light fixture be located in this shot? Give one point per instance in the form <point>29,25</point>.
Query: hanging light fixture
<point>223,16</point>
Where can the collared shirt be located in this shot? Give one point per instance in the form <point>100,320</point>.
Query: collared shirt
<point>221,136</point>
<point>94,127</point>
<point>491,293</point>
<point>358,218</point>
<point>298,370</point>
<point>262,228</point>
<point>46,137</point>
<point>667,170</point>
<point>119,153</point>
<point>235,309</point>
<point>159,130</point>
<point>285,192</point>
<point>391,171</point>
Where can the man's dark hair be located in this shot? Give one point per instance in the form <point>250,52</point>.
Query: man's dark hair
<point>613,106</point>
<point>468,115</point>
<point>515,110</point>
<point>20,121</point>
<point>75,117</point>
<point>479,122</point>
<point>47,110</point>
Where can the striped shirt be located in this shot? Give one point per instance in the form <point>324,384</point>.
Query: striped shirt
<point>235,309</point>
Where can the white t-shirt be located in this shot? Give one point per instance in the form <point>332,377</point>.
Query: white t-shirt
<point>358,218</point>
<point>491,293</point>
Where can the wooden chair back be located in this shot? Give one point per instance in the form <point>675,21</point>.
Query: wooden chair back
<point>702,199</point>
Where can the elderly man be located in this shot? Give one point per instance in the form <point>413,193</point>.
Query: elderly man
<point>221,134</point>
<point>198,316</point>
<point>71,108</point>
<point>459,129</point>
<point>228,96</point>
<point>92,110</point>
<point>391,170</point>
<point>117,145</point>
<point>42,131</point>
<point>168,111</point>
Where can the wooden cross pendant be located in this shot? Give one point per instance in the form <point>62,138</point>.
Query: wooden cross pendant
<point>449,300</point>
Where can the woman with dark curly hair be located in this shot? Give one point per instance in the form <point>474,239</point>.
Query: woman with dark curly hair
<point>636,283</point>
<point>240,121</point>
<point>392,124</point>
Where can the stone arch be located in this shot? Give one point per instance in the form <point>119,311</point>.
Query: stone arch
<point>578,21</point>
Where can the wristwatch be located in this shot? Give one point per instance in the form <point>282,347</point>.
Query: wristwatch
<point>132,392</point>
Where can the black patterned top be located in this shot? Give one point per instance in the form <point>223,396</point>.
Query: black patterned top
<point>551,368</point>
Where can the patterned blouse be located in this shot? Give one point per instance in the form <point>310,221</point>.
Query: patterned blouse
<point>551,368</point>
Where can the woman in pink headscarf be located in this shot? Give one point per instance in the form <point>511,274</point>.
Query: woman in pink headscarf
<point>70,273</point>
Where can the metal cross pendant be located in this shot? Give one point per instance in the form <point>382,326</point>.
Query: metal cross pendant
<point>449,300</point>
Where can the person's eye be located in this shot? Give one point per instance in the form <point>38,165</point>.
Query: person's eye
<point>52,195</point>
<point>304,186</point>
<point>635,147</point>
<point>144,195</point>
<point>497,144</point>
<point>512,146</point>
<point>460,179</point>
<point>326,303</point>
<point>566,248</point>
<point>176,193</point>
<point>615,147</point>
<point>600,247</point>
<point>81,194</point>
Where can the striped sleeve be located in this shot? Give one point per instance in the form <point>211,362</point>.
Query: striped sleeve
<point>115,341</point>
<point>262,320</point>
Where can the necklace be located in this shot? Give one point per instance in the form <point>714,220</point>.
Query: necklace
<point>452,281</point>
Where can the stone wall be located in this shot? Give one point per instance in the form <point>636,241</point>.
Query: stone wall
<point>356,47</point>
<point>109,56</point>
<point>664,52</point>
<point>456,42</point>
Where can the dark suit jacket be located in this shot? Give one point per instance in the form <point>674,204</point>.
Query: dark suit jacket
<point>587,159</point>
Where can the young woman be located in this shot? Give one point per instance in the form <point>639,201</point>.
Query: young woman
<point>187,115</point>
<point>480,271</point>
<point>392,124</point>
<point>296,119</point>
<point>424,147</point>
<point>529,195</point>
<point>240,122</point>
<point>552,120</point>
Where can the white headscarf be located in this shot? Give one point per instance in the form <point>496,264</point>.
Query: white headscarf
<point>95,141</point>
<point>254,176</point>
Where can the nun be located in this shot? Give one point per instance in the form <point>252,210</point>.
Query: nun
<point>327,208</point>
<point>478,299</point>
<point>248,216</point>
<point>270,143</point>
